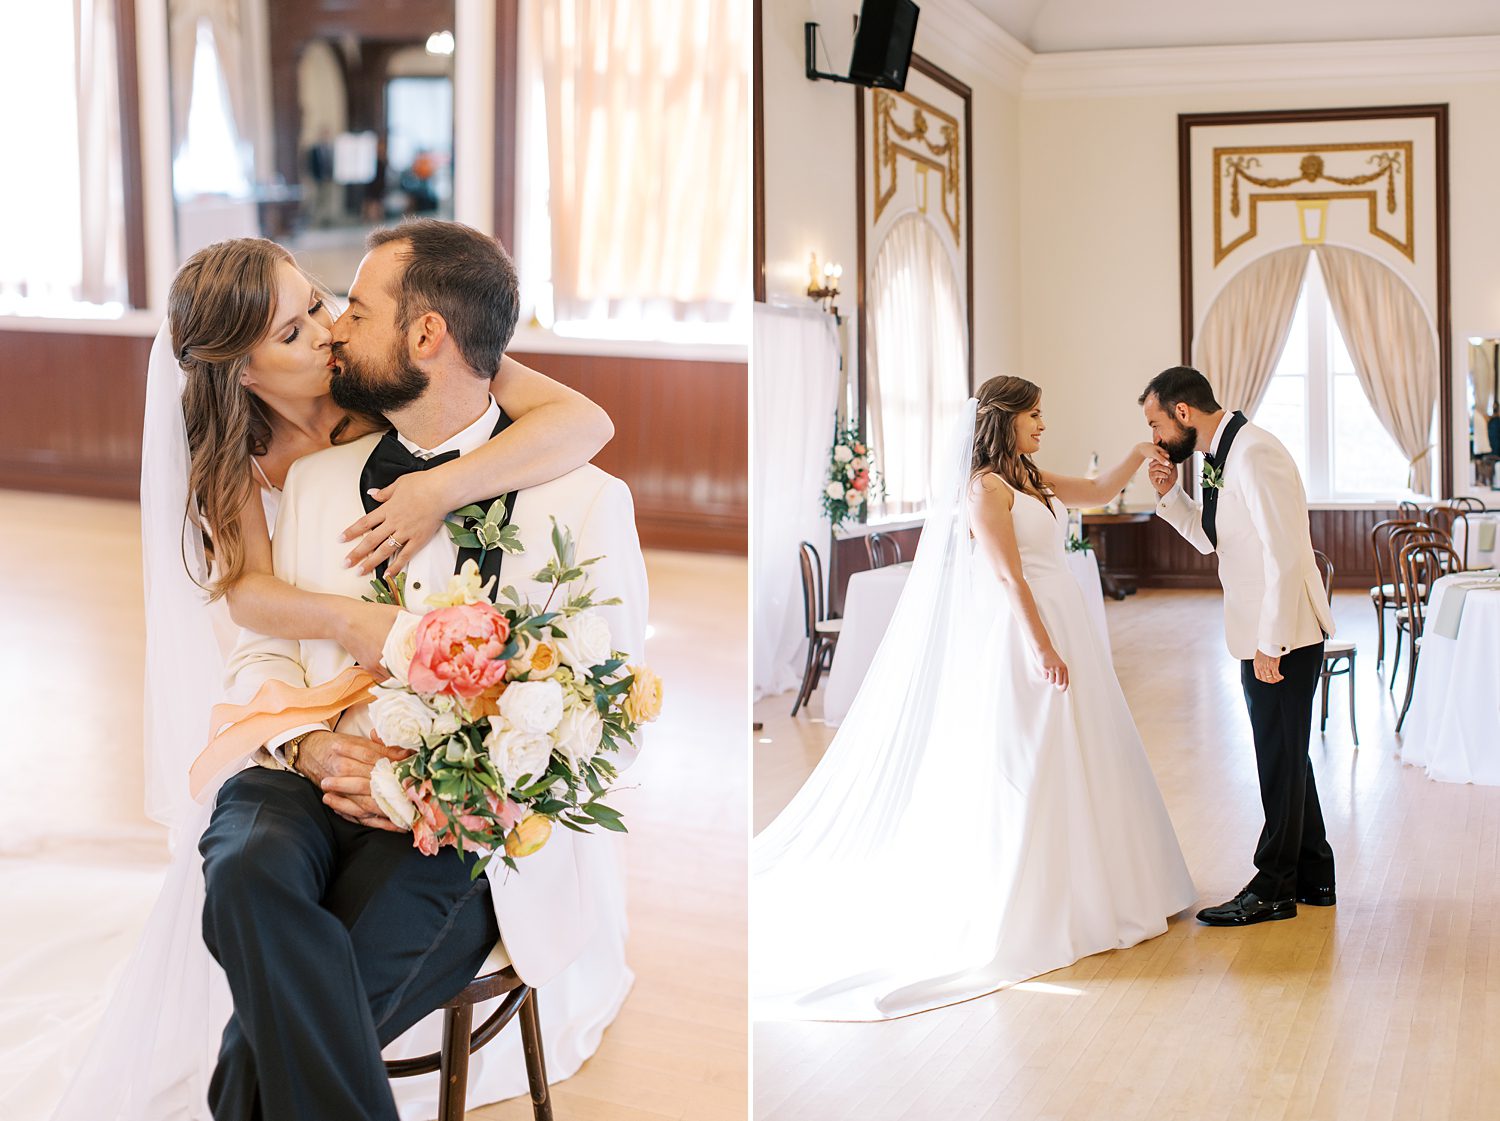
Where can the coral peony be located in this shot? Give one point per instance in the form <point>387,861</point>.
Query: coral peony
<point>458,651</point>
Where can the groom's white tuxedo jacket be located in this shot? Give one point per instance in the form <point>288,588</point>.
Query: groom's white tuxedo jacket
<point>1273,592</point>
<point>544,916</point>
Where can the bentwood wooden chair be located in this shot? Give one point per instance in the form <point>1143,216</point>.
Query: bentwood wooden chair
<point>882,550</point>
<point>1468,502</point>
<point>1338,654</point>
<point>1445,517</point>
<point>1383,594</point>
<point>1402,536</point>
<point>461,1039</point>
<point>1406,508</point>
<point>822,632</point>
<point>1420,564</point>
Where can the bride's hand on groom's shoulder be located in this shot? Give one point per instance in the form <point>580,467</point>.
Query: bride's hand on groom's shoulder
<point>340,766</point>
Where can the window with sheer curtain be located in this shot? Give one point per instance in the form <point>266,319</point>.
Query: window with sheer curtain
<point>917,373</point>
<point>633,218</point>
<point>62,213</point>
<point>1317,407</point>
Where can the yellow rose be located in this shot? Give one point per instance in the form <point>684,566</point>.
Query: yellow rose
<point>643,702</point>
<point>539,659</point>
<point>528,836</point>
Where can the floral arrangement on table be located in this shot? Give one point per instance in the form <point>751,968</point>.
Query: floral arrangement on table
<point>511,711</point>
<point>851,476</point>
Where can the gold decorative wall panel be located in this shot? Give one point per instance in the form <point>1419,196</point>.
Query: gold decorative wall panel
<point>1375,176</point>
<point>908,128</point>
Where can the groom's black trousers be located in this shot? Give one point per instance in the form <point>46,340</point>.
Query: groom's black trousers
<point>1293,852</point>
<point>336,938</point>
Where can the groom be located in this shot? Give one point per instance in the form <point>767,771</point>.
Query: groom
<point>1276,618</point>
<point>335,933</point>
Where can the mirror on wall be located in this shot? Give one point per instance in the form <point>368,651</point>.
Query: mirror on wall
<point>1484,409</point>
<point>309,122</point>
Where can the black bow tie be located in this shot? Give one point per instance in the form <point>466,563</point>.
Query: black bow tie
<point>390,460</point>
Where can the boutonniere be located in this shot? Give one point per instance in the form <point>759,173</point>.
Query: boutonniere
<point>1213,477</point>
<point>474,527</point>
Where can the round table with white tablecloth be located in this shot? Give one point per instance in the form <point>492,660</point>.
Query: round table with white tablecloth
<point>869,604</point>
<point>1476,539</point>
<point>1453,728</point>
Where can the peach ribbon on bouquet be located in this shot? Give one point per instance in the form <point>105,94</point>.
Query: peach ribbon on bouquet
<point>276,708</point>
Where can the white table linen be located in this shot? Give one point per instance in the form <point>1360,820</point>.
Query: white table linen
<point>1481,532</point>
<point>869,603</point>
<point>1453,728</point>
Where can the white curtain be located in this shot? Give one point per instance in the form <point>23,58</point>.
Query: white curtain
<point>647,105</point>
<point>1394,348</point>
<point>795,355</point>
<point>917,374</point>
<point>101,176</point>
<point>1482,378</point>
<point>241,41</point>
<point>1245,330</point>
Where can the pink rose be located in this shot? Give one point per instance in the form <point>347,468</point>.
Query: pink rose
<point>861,481</point>
<point>458,651</point>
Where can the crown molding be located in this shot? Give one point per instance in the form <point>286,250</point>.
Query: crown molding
<point>1261,67</point>
<point>963,31</point>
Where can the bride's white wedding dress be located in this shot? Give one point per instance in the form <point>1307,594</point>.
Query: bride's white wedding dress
<point>970,826</point>
<point>154,1049</point>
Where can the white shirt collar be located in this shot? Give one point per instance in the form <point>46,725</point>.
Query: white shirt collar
<point>470,439</point>
<point>1213,447</point>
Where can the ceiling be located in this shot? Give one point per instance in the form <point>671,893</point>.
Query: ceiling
<point>1091,25</point>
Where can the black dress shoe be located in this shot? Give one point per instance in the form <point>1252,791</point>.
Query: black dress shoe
<point>1317,896</point>
<point>1246,908</point>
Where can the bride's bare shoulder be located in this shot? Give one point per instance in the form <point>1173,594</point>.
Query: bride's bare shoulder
<point>989,489</point>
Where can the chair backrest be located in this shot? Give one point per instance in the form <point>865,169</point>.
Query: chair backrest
<point>1409,509</point>
<point>812,587</point>
<point>1419,564</point>
<point>1325,566</point>
<point>882,550</point>
<point>1468,502</point>
<point>1400,537</point>
<point>1444,517</point>
<point>1380,548</point>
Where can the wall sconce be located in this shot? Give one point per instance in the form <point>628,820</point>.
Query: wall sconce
<point>440,43</point>
<point>823,285</point>
<point>1312,215</point>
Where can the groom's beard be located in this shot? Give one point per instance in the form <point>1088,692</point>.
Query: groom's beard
<point>361,387</point>
<point>1179,450</point>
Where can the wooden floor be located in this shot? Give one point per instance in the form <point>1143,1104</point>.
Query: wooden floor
<point>1385,1007</point>
<point>70,656</point>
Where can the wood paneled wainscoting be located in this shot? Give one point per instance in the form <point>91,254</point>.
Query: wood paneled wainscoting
<point>1154,555</point>
<point>72,405</point>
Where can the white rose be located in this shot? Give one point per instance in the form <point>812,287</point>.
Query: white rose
<point>517,754</point>
<point>400,645</point>
<point>532,706</point>
<point>834,490</point>
<point>385,789</point>
<point>579,734</point>
<point>855,498</point>
<point>858,464</point>
<point>842,453</point>
<point>401,719</point>
<point>587,643</point>
<point>446,719</point>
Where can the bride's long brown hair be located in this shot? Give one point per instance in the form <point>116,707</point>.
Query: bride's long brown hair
<point>1001,400</point>
<point>219,309</point>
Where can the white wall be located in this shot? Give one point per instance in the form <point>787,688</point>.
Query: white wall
<point>810,165</point>
<point>1099,240</point>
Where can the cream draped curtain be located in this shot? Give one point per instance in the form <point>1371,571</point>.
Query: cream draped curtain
<point>795,391</point>
<point>100,168</point>
<point>917,373</point>
<point>1394,348</point>
<point>646,103</point>
<point>1246,328</point>
<point>241,34</point>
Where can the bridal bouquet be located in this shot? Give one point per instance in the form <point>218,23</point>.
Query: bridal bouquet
<point>851,480</point>
<point>511,711</point>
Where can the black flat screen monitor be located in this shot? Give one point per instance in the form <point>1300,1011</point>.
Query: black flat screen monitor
<point>883,42</point>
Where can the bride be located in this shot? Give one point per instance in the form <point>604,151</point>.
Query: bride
<point>986,812</point>
<point>237,391</point>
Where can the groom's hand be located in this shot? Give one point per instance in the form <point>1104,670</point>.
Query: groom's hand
<point>1267,668</point>
<point>340,765</point>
